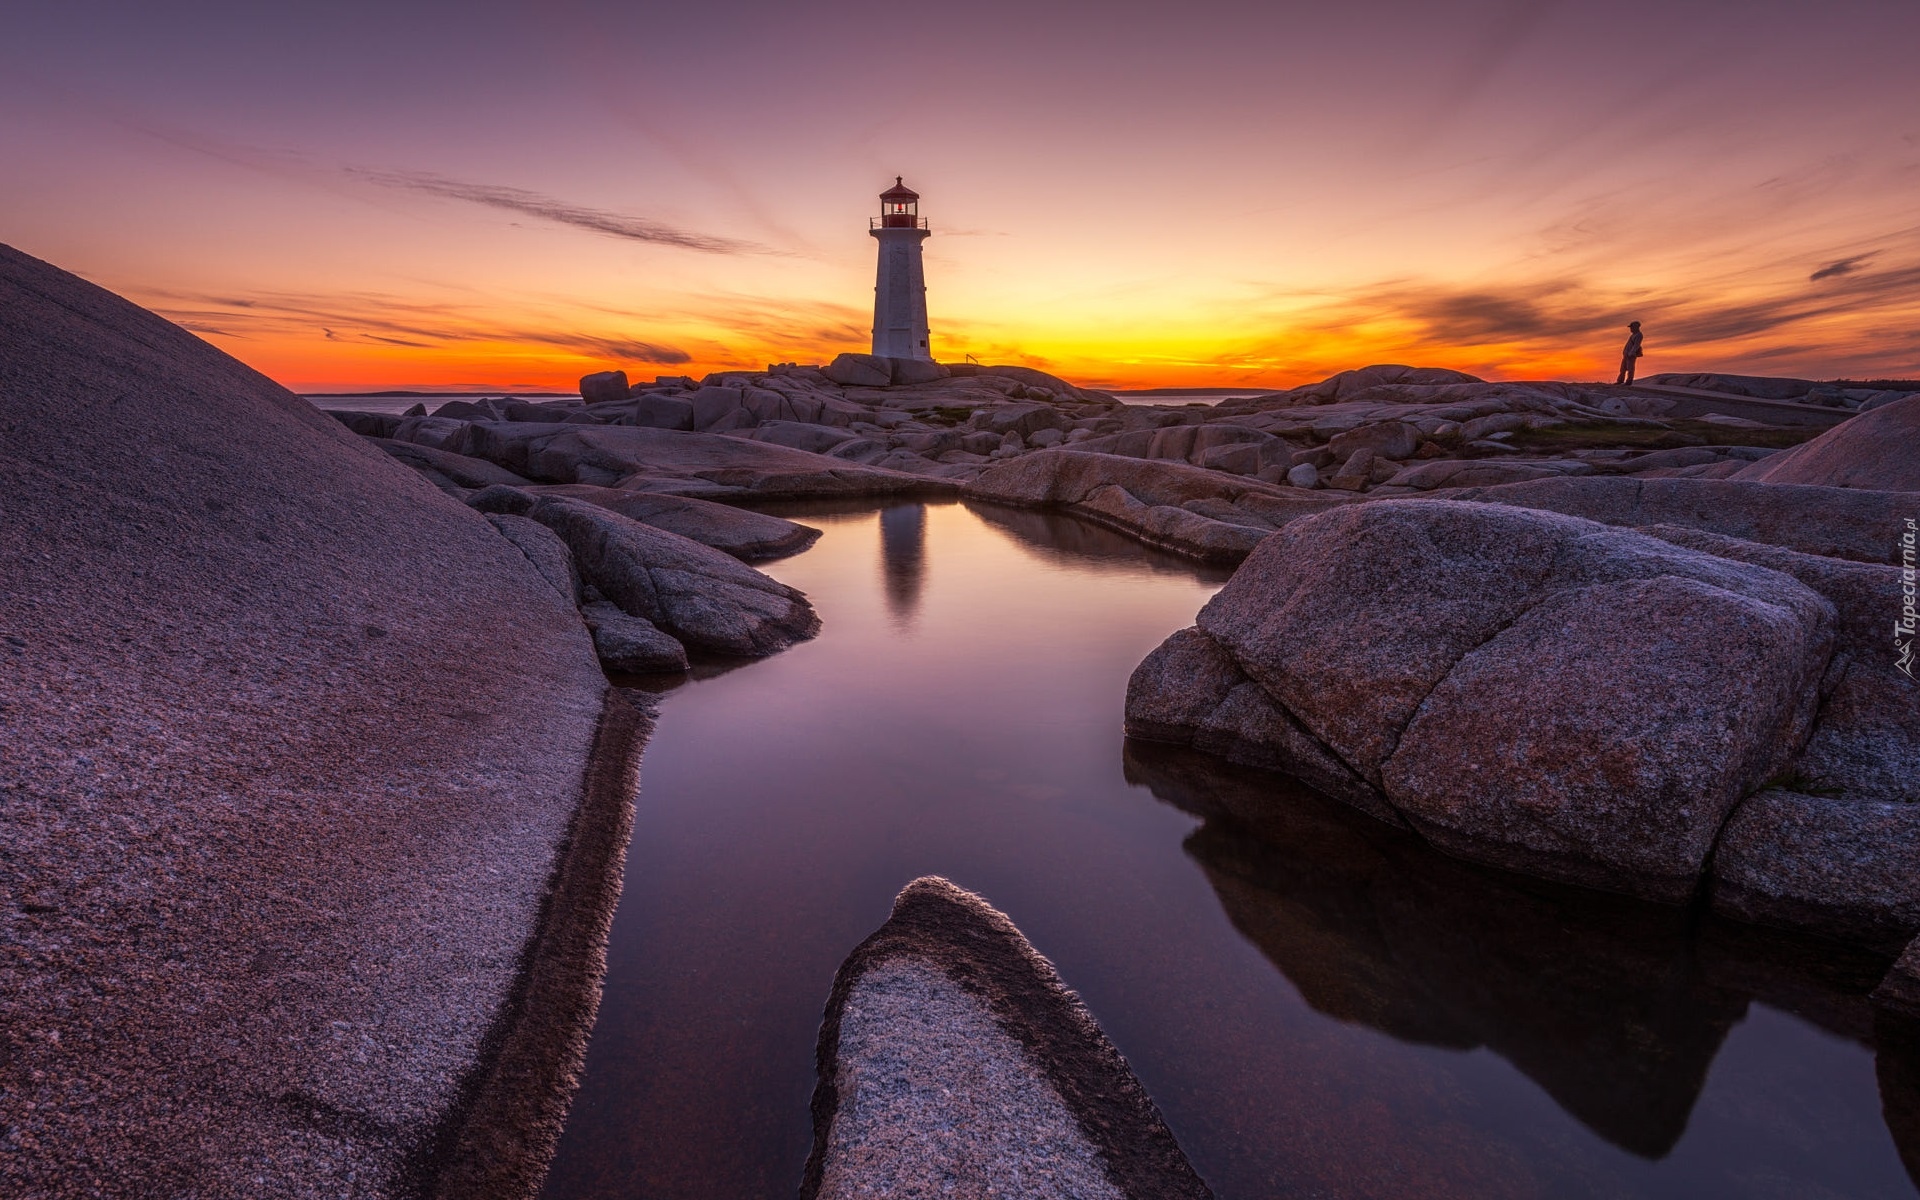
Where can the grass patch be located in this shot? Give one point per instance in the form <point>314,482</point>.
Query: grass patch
<point>944,415</point>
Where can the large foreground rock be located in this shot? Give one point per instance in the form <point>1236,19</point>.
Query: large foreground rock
<point>1524,689</point>
<point>953,1061</point>
<point>295,757</point>
<point>700,596</point>
<point>1874,450</point>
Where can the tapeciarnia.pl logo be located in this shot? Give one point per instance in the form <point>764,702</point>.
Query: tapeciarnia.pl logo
<point>1904,624</point>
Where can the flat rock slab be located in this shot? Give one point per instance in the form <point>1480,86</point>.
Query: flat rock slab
<point>748,536</point>
<point>446,469</point>
<point>292,745</point>
<point>1195,512</point>
<point>954,1062</point>
<point>674,462</point>
<point>1849,523</point>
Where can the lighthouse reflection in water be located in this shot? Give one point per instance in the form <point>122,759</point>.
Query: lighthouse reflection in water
<point>903,560</point>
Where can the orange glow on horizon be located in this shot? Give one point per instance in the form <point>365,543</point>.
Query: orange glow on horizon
<point>308,364</point>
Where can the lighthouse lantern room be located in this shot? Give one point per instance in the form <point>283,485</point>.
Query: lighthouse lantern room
<point>900,288</point>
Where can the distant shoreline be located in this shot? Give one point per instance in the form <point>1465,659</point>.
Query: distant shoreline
<point>1193,391</point>
<point>404,395</point>
<point>407,393</point>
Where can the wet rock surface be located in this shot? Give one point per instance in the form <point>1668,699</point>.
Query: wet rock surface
<point>953,1060</point>
<point>294,743</point>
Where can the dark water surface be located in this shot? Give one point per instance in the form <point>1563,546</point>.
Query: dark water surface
<point>1320,1007</point>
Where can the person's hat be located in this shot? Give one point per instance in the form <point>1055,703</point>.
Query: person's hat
<point>1633,324</point>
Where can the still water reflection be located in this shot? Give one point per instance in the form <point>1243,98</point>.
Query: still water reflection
<point>1319,1005</point>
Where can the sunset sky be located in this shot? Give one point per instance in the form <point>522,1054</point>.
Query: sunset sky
<point>353,196</point>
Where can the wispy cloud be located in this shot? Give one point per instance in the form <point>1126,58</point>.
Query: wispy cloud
<point>1845,266</point>
<point>386,321</point>
<point>290,165</point>
<point>557,212</point>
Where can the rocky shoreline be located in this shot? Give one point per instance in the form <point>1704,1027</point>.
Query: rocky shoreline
<point>317,791</point>
<point>1680,616</point>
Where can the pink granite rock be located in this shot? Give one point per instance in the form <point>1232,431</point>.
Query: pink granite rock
<point>1873,450</point>
<point>953,1060</point>
<point>294,762</point>
<point>1641,688</point>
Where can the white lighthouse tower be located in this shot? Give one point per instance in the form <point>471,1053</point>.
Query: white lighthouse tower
<point>900,290</point>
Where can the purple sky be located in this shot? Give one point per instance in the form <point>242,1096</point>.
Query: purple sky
<point>362,195</point>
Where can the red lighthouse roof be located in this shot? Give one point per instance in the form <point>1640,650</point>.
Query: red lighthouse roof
<point>899,192</point>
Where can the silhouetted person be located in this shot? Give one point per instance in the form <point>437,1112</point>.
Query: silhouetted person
<point>1628,353</point>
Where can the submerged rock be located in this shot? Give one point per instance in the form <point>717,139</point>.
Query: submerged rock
<point>953,1061</point>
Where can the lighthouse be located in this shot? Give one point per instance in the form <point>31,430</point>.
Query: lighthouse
<point>900,288</point>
